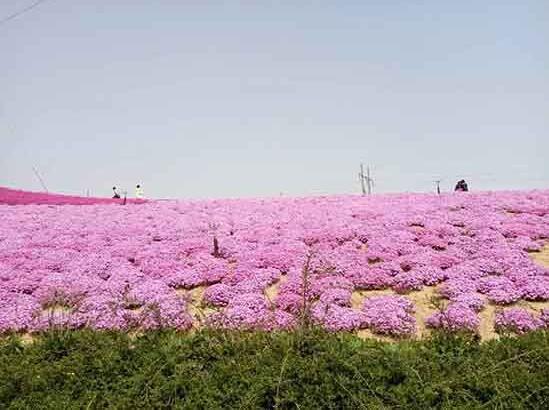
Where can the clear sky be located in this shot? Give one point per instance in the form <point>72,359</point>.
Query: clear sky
<point>201,98</point>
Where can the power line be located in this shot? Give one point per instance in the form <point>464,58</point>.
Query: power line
<point>22,11</point>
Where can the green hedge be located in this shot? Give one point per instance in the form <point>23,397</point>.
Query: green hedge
<point>302,370</point>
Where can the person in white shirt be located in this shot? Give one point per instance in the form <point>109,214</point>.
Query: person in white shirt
<point>139,193</point>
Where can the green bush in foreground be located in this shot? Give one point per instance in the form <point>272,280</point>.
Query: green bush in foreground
<point>302,370</point>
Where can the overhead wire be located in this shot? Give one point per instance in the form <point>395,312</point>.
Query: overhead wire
<point>21,12</point>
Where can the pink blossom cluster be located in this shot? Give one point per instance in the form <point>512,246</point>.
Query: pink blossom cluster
<point>519,320</point>
<point>456,316</point>
<point>392,315</point>
<point>124,267</point>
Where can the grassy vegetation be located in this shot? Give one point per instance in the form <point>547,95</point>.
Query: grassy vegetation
<point>302,370</point>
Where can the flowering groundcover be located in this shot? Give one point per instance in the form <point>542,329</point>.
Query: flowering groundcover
<point>108,266</point>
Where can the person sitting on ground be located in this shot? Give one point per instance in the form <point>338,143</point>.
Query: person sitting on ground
<point>461,186</point>
<point>116,195</point>
<point>139,193</point>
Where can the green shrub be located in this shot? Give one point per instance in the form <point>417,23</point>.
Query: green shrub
<point>302,370</point>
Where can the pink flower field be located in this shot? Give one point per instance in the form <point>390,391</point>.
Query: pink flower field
<point>391,265</point>
<point>17,197</point>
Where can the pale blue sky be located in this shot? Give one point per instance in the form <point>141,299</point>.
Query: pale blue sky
<point>225,99</point>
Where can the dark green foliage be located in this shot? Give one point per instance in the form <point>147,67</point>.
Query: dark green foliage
<point>302,370</point>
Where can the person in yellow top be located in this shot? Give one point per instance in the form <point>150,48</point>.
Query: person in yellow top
<point>139,193</point>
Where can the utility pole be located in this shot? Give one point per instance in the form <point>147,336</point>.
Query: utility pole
<point>40,179</point>
<point>366,181</point>
<point>369,180</point>
<point>361,177</point>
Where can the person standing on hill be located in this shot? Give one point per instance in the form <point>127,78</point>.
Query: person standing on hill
<point>461,186</point>
<point>115,195</point>
<point>139,193</point>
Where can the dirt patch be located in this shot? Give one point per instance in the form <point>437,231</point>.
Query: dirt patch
<point>271,291</point>
<point>487,316</point>
<point>56,311</point>
<point>510,212</point>
<point>196,308</point>
<point>537,306</point>
<point>534,307</point>
<point>136,308</point>
<point>427,301</point>
<point>358,296</point>
<point>424,302</point>
<point>26,339</point>
<point>425,305</point>
<point>368,334</point>
<point>541,257</point>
